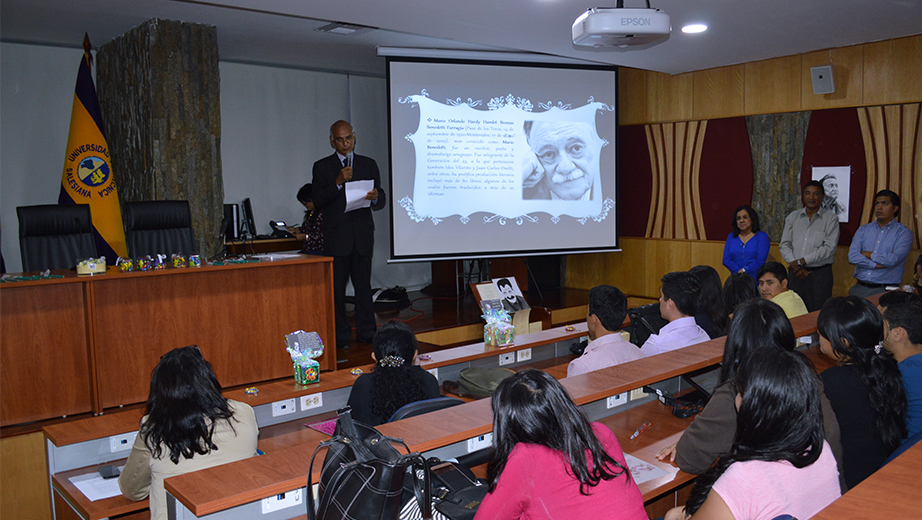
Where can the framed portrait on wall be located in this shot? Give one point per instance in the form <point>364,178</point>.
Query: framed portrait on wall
<point>836,181</point>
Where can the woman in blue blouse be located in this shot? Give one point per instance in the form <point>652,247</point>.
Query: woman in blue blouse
<point>747,245</point>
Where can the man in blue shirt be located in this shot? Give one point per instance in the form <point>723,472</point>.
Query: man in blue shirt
<point>879,249</point>
<point>903,327</point>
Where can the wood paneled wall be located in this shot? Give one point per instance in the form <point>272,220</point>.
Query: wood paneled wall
<point>880,73</point>
<point>637,269</point>
<point>675,157</point>
<point>893,147</point>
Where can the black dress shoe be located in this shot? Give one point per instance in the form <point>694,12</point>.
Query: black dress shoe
<point>342,346</point>
<point>366,339</point>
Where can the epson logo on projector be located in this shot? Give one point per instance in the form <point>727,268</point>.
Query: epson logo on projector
<point>636,22</point>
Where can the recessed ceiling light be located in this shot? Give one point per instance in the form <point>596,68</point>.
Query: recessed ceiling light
<point>694,28</point>
<point>346,29</point>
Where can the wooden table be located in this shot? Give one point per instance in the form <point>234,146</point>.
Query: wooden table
<point>237,486</point>
<point>262,245</point>
<point>85,344</point>
<point>290,444</point>
<point>890,492</point>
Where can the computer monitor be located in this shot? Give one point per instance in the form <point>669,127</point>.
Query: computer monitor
<point>248,221</point>
<point>232,218</point>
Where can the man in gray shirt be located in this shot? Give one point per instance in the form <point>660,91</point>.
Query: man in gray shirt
<point>808,245</point>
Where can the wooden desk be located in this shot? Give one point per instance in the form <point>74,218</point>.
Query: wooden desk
<point>95,340</point>
<point>76,447</point>
<point>262,245</point>
<point>218,489</point>
<point>891,492</point>
<point>289,445</point>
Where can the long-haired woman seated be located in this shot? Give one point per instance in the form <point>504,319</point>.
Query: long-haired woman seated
<point>758,324</point>
<point>189,426</point>
<point>779,463</point>
<point>396,380</point>
<point>865,389</point>
<point>550,462</point>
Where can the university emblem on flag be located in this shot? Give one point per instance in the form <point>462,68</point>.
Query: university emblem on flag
<point>87,172</point>
<point>93,171</point>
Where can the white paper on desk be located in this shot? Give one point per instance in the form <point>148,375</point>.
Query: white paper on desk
<point>355,194</point>
<point>643,471</point>
<point>95,487</point>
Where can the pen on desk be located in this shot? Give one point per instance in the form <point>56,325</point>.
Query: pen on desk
<point>643,428</point>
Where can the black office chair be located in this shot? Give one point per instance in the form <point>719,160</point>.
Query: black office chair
<point>425,406</point>
<point>53,236</point>
<point>160,226</point>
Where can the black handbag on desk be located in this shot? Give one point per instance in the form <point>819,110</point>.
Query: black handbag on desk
<point>363,475</point>
<point>456,493</point>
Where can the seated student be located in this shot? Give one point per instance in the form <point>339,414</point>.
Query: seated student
<point>189,426</point>
<point>773,285</point>
<point>902,313</point>
<point>779,463</point>
<point>396,380</point>
<point>865,389</point>
<point>549,462</point>
<point>758,324</point>
<point>712,314</point>
<point>679,300</point>
<point>607,309</point>
<point>738,288</point>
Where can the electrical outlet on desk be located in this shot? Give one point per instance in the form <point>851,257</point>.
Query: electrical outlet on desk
<point>523,355</point>
<point>121,442</point>
<point>480,443</point>
<point>638,393</point>
<point>311,401</point>
<point>616,400</point>
<point>283,407</point>
<point>282,501</point>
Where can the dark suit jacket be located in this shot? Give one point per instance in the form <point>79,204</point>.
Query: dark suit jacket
<point>344,231</point>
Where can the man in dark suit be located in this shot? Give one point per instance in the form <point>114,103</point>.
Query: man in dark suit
<point>349,237</point>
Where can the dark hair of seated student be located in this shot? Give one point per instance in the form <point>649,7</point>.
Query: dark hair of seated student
<point>756,324</point>
<point>395,380</point>
<point>532,407</point>
<point>712,308</point>
<point>184,404</point>
<point>738,288</point>
<point>549,461</point>
<point>779,418</point>
<point>865,388</point>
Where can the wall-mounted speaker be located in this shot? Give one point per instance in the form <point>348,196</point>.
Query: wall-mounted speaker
<point>823,80</point>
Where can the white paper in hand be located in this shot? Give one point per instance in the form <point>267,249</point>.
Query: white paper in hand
<point>355,194</point>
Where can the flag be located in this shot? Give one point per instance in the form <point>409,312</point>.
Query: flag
<point>87,177</point>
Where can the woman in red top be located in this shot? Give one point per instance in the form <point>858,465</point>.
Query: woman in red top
<point>549,462</point>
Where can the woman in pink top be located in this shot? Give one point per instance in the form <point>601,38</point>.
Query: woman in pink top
<point>549,462</point>
<point>779,463</point>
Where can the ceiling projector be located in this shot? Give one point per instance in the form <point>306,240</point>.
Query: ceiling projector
<point>620,27</point>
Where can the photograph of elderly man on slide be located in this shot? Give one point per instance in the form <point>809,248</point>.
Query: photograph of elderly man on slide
<point>565,161</point>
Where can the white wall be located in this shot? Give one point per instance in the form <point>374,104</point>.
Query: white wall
<point>275,124</point>
<point>36,96</point>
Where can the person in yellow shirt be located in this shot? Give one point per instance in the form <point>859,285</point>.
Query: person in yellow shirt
<point>773,285</point>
